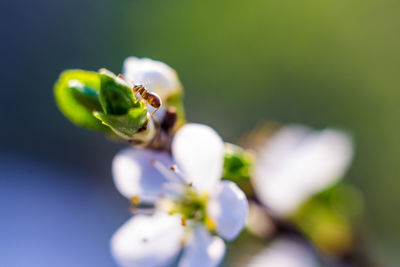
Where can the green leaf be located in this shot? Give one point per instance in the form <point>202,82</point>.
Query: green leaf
<point>125,125</point>
<point>76,94</point>
<point>116,97</point>
<point>87,92</point>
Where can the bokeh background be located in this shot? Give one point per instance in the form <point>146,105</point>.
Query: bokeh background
<point>321,63</point>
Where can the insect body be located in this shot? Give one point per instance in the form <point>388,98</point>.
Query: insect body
<point>152,98</point>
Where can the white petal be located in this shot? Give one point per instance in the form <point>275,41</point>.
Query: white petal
<point>154,75</point>
<point>148,241</point>
<point>135,175</point>
<point>297,163</point>
<point>203,250</point>
<point>199,153</point>
<point>285,252</point>
<point>228,206</point>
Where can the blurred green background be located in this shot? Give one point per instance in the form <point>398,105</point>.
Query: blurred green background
<point>321,63</point>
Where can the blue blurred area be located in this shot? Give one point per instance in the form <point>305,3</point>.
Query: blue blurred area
<point>54,216</point>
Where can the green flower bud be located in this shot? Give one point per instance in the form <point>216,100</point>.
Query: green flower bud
<point>101,101</point>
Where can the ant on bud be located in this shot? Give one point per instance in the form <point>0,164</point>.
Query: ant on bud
<point>152,98</point>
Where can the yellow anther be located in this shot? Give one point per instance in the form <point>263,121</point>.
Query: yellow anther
<point>210,224</point>
<point>135,201</point>
<point>183,221</point>
<point>173,168</point>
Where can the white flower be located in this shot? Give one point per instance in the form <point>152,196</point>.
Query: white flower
<point>190,202</point>
<point>297,163</point>
<point>154,75</point>
<point>285,252</point>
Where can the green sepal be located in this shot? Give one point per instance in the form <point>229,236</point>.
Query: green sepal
<point>125,125</point>
<point>238,164</point>
<point>327,218</point>
<point>116,97</point>
<point>176,100</point>
<point>76,94</point>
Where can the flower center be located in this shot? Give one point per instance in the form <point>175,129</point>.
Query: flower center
<point>191,205</point>
<point>181,198</point>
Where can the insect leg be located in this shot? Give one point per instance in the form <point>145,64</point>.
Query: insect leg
<point>154,112</point>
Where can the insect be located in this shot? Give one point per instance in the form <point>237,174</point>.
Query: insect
<point>152,98</point>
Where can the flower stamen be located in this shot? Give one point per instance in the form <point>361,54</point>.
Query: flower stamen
<point>135,201</point>
<point>183,221</point>
<point>210,224</point>
<point>176,170</point>
<point>147,211</point>
<point>170,176</point>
